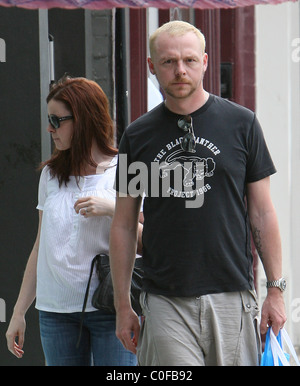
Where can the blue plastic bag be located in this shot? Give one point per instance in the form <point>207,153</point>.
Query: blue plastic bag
<point>271,351</point>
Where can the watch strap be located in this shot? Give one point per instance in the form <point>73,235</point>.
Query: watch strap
<point>280,283</point>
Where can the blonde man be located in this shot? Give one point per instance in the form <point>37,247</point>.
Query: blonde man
<point>201,157</point>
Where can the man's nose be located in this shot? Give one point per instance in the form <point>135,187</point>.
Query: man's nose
<point>180,68</point>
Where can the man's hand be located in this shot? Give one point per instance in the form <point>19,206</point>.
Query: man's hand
<point>128,329</point>
<point>273,312</point>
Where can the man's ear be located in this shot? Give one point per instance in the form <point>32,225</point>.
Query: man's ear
<point>151,66</point>
<point>205,61</point>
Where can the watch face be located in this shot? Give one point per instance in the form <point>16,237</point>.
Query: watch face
<point>283,284</point>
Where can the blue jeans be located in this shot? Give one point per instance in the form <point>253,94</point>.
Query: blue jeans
<point>98,346</point>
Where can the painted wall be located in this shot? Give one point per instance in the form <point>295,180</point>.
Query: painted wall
<point>277,106</point>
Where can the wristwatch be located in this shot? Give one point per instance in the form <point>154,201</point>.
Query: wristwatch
<point>280,283</point>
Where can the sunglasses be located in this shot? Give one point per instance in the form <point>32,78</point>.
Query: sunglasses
<point>54,120</point>
<point>188,141</point>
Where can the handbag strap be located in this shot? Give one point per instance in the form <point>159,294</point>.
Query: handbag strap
<point>85,299</point>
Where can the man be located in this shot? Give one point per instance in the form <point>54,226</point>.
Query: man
<point>208,160</point>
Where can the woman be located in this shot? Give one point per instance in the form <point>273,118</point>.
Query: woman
<point>76,204</point>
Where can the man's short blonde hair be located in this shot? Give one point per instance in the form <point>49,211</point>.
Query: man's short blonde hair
<point>176,28</point>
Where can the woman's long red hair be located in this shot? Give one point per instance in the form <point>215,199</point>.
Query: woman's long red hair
<point>92,121</point>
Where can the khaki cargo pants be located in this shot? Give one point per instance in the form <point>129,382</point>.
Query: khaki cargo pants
<point>212,330</point>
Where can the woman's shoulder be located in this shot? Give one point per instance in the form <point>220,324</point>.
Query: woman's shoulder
<point>45,173</point>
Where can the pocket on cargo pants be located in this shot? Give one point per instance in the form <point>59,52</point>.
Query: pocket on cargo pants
<point>249,348</point>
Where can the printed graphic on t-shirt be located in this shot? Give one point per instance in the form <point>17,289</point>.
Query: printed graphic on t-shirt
<point>172,173</point>
<point>186,175</point>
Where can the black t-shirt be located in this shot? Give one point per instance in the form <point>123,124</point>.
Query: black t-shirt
<point>196,237</point>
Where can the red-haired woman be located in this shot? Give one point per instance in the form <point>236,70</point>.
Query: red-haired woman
<point>76,204</point>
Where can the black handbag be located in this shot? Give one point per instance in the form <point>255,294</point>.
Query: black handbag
<point>103,297</point>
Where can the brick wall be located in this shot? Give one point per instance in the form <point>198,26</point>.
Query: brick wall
<point>102,63</point>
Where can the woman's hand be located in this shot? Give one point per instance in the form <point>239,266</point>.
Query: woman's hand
<point>16,329</point>
<point>94,206</point>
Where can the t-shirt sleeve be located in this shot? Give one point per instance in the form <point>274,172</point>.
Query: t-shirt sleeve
<point>42,191</point>
<point>260,164</point>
